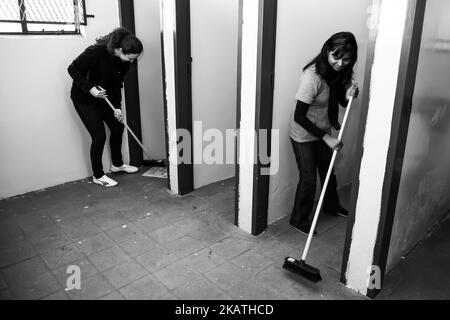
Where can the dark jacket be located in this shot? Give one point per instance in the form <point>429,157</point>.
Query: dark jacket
<point>96,67</point>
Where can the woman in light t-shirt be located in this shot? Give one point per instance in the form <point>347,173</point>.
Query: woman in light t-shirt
<point>325,83</point>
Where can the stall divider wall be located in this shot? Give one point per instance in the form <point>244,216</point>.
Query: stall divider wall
<point>176,56</point>
<point>423,196</point>
<point>147,25</point>
<point>256,60</point>
<point>214,41</point>
<point>131,89</point>
<point>385,128</point>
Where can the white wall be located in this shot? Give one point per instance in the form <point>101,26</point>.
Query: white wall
<point>148,30</point>
<point>214,40</point>
<point>302,28</point>
<point>248,91</point>
<point>378,125</point>
<point>424,197</point>
<point>42,140</point>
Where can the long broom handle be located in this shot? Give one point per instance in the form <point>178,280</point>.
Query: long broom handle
<point>325,184</point>
<point>129,129</point>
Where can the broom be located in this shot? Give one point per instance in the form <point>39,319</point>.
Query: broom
<point>301,267</point>
<point>150,163</point>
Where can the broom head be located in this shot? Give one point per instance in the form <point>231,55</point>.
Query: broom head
<point>301,268</point>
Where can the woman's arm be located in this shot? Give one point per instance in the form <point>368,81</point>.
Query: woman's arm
<point>300,117</point>
<point>80,67</point>
<point>301,110</point>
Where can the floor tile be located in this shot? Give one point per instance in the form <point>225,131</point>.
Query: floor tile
<point>87,270</point>
<point>150,223</point>
<point>254,290</point>
<point>203,261</point>
<point>228,275</point>
<point>147,288</point>
<point>156,259</point>
<point>112,296</point>
<point>59,295</point>
<point>94,244</point>
<point>50,241</point>
<point>175,275</point>
<point>109,258</point>
<point>80,228</point>
<point>109,220</point>
<point>24,271</point>
<point>138,245</point>
<point>209,235</point>
<point>184,246</point>
<point>62,256</point>
<point>166,234</point>
<point>124,232</point>
<point>251,261</point>
<point>190,224</point>
<point>229,248</point>
<point>91,288</point>
<point>14,253</point>
<point>124,273</point>
<point>200,289</point>
<point>3,284</point>
<point>35,288</point>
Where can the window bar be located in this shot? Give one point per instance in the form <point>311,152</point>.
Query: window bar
<point>23,16</point>
<point>77,16</point>
<point>85,15</point>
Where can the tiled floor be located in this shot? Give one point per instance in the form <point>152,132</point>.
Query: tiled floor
<point>137,241</point>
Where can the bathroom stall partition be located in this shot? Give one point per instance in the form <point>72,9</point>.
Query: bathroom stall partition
<point>423,195</point>
<point>214,41</point>
<point>148,30</point>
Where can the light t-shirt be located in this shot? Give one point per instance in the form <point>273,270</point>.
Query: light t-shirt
<point>315,91</point>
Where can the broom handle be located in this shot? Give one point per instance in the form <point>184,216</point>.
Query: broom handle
<point>325,184</point>
<point>128,128</point>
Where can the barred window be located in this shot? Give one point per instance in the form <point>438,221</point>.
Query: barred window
<point>42,16</point>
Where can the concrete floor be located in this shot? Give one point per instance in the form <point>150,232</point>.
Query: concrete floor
<point>137,241</point>
<point>423,274</point>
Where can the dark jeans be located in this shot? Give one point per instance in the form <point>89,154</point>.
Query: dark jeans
<point>93,116</point>
<point>312,157</point>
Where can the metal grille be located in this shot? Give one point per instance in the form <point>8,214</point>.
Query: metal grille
<point>62,12</point>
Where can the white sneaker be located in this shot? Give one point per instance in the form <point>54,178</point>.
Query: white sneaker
<point>124,168</point>
<point>105,181</point>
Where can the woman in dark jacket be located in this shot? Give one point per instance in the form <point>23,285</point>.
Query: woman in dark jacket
<point>97,73</point>
<point>325,83</point>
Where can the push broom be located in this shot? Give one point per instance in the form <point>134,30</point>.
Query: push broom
<point>301,267</point>
<point>126,125</point>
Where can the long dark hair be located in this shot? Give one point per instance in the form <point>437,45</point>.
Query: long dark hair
<point>340,44</point>
<point>121,38</point>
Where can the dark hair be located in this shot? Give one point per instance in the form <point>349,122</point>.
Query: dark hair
<point>121,38</point>
<point>340,44</point>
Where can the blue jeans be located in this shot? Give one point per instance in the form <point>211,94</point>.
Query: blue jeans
<point>312,157</point>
